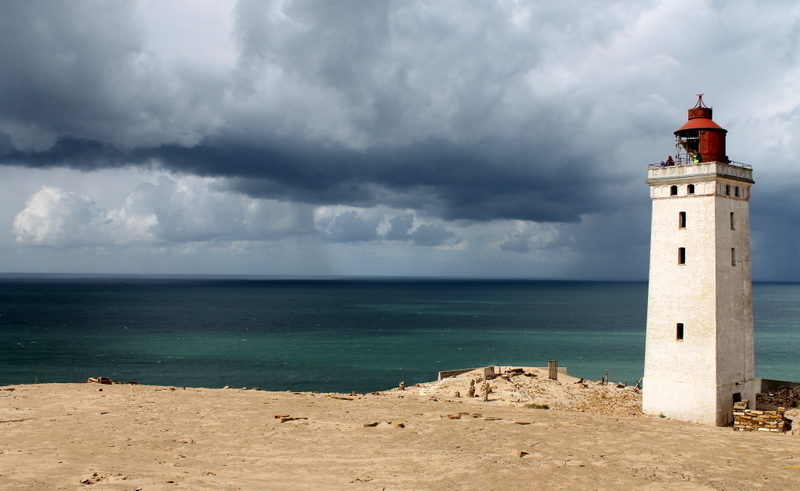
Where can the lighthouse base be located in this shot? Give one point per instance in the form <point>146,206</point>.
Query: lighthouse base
<point>696,403</point>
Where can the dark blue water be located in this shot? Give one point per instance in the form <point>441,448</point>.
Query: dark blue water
<point>339,335</point>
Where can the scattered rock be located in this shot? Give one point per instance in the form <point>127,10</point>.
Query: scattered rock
<point>372,425</point>
<point>530,387</point>
<point>96,478</point>
<point>341,398</point>
<point>100,380</point>
<point>486,389</point>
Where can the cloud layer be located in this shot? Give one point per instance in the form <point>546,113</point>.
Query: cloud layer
<point>196,210</point>
<point>416,122</point>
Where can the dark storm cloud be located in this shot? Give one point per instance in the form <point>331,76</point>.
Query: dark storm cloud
<point>460,110</point>
<point>62,62</point>
<point>452,181</point>
<point>82,70</point>
<point>406,105</point>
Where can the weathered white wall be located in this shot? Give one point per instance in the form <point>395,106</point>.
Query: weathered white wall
<point>694,379</point>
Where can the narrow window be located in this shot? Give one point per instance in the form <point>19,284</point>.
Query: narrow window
<point>727,190</point>
<point>673,191</point>
<point>682,219</point>
<point>681,255</point>
<point>736,191</point>
<point>690,189</point>
<point>733,256</point>
<point>737,397</point>
<point>733,222</point>
<point>679,334</point>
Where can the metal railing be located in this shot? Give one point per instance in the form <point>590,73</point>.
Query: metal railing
<point>680,163</point>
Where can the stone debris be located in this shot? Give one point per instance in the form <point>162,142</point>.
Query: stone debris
<point>371,425</point>
<point>341,398</point>
<point>785,396</point>
<point>100,380</point>
<point>486,389</point>
<point>530,387</point>
<point>471,390</point>
<point>751,420</point>
<point>96,478</point>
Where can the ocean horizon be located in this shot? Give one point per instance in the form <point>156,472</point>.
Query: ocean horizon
<point>339,334</point>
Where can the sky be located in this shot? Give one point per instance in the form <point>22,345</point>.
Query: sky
<point>469,138</point>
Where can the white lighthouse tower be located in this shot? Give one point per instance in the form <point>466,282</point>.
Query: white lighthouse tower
<point>699,356</point>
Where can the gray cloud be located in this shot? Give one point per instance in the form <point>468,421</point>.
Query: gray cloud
<point>351,227</point>
<point>378,103</point>
<point>468,112</point>
<point>431,235</point>
<point>400,227</point>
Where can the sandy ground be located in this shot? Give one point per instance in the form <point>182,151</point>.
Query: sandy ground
<point>134,437</point>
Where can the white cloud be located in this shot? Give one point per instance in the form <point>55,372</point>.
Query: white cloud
<point>185,210</point>
<point>56,218</point>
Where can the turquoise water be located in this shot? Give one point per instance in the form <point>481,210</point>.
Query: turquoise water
<point>339,335</point>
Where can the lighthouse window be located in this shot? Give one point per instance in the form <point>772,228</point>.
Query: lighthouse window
<point>733,222</point>
<point>690,189</point>
<point>733,256</point>
<point>679,335</point>
<point>681,255</point>
<point>673,191</point>
<point>682,219</point>
<point>736,191</point>
<point>727,190</point>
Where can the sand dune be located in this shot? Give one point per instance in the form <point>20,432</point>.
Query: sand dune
<point>129,437</point>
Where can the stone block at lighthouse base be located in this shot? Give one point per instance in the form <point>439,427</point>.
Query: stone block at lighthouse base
<point>695,403</point>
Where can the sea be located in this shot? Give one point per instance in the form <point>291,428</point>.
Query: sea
<point>340,334</point>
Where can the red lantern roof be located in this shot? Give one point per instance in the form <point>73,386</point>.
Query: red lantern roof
<point>700,118</point>
<point>701,124</point>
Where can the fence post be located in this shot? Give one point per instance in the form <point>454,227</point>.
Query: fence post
<point>552,366</point>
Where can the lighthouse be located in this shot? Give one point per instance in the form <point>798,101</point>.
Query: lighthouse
<point>699,354</point>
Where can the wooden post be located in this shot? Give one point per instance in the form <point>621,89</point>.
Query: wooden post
<point>552,366</point>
